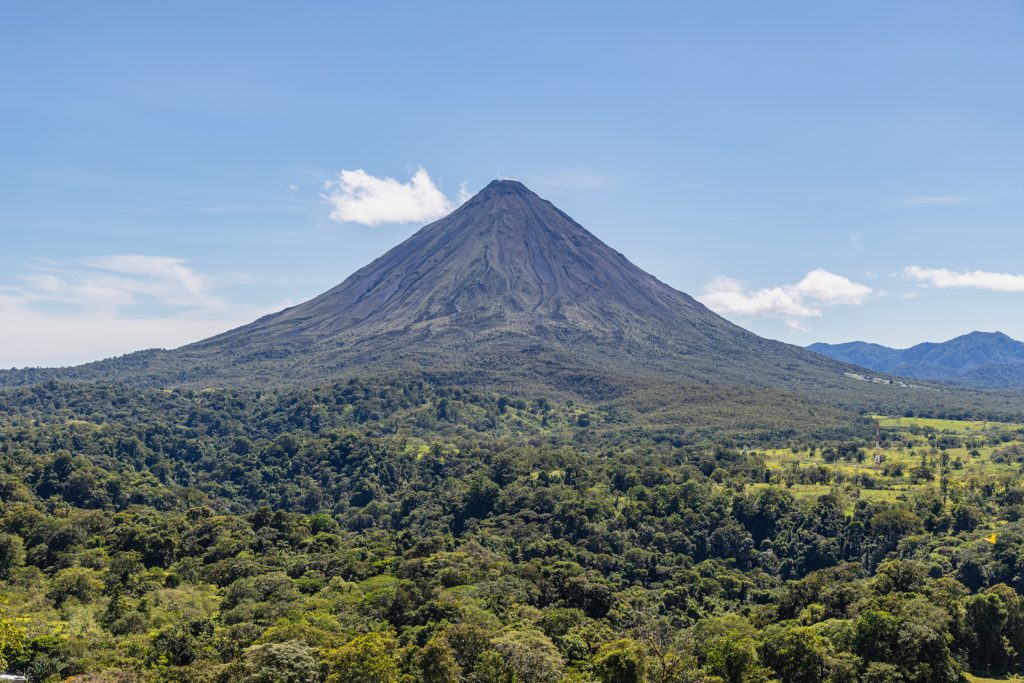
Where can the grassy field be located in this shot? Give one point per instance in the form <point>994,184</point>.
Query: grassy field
<point>956,426</point>
<point>911,455</point>
<point>978,679</point>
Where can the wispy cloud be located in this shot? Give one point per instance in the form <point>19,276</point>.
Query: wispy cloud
<point>941,200</point>
<point>819,289</point>
<point>358,197</point>
<point>119,281</point>
<point>943,278</point>
<point>108,305</point>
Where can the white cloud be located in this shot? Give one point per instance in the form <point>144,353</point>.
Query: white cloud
<point>805,299</point>
<point>464,194</point>
<point>359,197</point>
<point>831,289</point>
<point>728,296</point>
<point>944,278</point>
<point>109,305</point>
<point>940,200</point>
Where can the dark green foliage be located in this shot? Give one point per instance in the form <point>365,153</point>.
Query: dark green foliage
<point>621,661</point>
<point>349,533</point>
<point>370,658</point>
<point>289,662</point>
<point>12,554</point>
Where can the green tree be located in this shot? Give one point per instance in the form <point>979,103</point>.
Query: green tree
<point>12,641</point>
<point>368,658</point>
<point>183,643</point>
<point>796,653</point>
<point>875,631</point>
<point>529,656</point>
<point>81,583</point>
<point>621,661</point>
<point>437,662</point>
<point>12,554</point>
<point>880,672</point>
<point>289,662</point>
<point>728,646</point>
<point>985,618</point>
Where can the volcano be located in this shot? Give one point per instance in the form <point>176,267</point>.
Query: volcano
<point>510,287</point>
<point>505,290</point>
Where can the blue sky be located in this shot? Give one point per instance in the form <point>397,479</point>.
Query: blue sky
<point>815,171</point>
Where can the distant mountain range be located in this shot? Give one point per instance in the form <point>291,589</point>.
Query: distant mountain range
<point>988,360</point>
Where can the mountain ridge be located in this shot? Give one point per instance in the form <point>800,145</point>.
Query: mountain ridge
<point>988,360</point>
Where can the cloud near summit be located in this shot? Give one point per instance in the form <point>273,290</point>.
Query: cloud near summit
<point>358,197</point>
<point>805,299</point>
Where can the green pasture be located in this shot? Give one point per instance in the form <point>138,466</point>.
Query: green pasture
<point>978,679</point>
<point>941,425</point>
<point>958,451</point>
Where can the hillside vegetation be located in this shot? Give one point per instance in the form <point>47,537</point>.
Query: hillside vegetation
<point>394,532</point>
<point>502,453</point>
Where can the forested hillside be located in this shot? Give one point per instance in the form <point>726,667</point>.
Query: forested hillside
<point>389,532</point>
